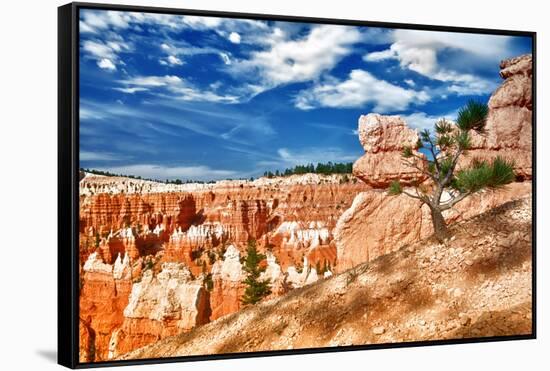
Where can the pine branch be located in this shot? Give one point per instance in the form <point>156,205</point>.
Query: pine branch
<point>450,173</point>
<point>432,151</point>
<point>411,195</point>
<point>418,196</point>
<point>423,171</point>
<point>453,201</point>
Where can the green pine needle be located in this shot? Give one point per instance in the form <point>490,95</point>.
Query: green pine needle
<point>395,188</point>
<point>473,116</point>
<point>484,174</point>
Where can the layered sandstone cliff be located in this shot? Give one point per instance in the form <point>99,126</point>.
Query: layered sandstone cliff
<point>228,288</point>
<point>142,226</point>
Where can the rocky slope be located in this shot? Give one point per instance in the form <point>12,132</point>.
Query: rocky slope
<point>476,285</point>
<point>377,224</point>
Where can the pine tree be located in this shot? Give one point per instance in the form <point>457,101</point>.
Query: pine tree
<point>445,147</point>
<point>256,289</point>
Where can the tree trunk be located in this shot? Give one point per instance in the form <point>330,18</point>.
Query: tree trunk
<point>441,231</point>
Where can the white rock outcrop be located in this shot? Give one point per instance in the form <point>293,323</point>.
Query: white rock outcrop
<point>230,269</point>
<point>94,263</point>
<point>171,295</point>
<point>121,269</point>
<point>308,275</point>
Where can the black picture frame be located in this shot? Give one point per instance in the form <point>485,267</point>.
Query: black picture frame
<point>68,182</point>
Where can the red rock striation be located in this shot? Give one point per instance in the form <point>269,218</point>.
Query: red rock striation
<point>102,213</point>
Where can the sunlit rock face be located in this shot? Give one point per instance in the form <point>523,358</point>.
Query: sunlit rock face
<point>104,292</point>
<point>228,287</point>
<point>383,139</point>
<point>509,123</point>
<point>377,224</point>
<point>160,305</point>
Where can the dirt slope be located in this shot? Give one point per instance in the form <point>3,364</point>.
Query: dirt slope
<point>478,284</point>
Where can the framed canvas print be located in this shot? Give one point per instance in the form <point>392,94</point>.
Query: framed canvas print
<point>237,185</point>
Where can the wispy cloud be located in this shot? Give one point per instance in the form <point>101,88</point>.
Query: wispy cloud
<point>359,89</point>
<point>97,21</point>
<point>176,87</point>
<point>333,127</point>
<point>420,51</point>
<point>206,119</point>
<point>422,120</point>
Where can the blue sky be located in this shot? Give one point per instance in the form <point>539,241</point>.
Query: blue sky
<point>206,98</point>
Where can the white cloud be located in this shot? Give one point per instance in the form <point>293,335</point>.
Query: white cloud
<point>421,120</point>
<point>379,56</point>
<point>173,60</point>
<point>98,49</point>
<point>225,58</point>
<point>97,21</point>
<point>106,64</point>
<point>409,82</point>
<point>131,90</point>
<point>201,22</point>
<point>471,85</point>
<point>177,87</point>
<point>235,38</point>
<point>172,172</point>
<point>153,81</point>
<point>105,53</point>
<point>85,27</point>
<point>305,59</point>
<point>419,51</point>
<point>361,88</point>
